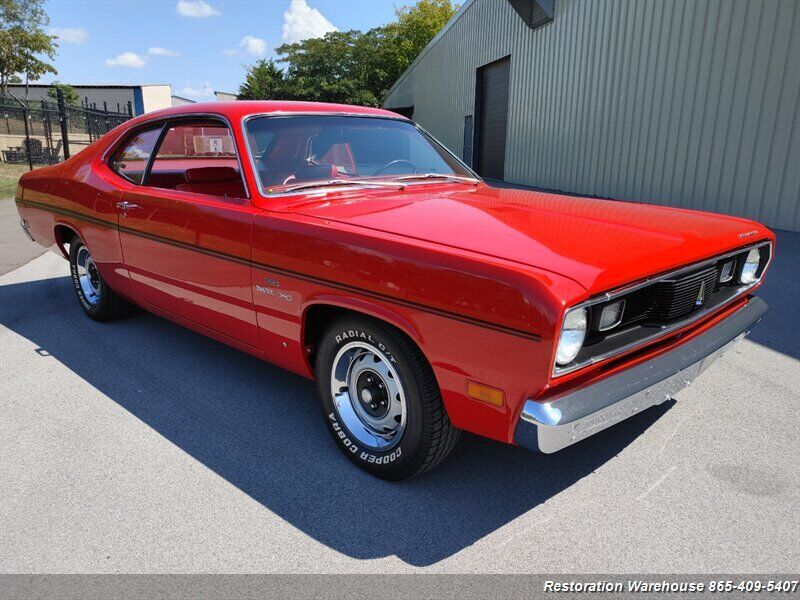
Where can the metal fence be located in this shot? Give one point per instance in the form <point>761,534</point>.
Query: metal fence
<point>37,132</point>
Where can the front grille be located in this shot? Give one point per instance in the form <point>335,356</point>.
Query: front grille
<point>660,306</point>
<point>671,298</point>
<point>677,297</point>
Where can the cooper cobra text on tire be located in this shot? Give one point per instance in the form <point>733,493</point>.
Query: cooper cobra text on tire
<point>95,297</point>
<point>380,399</point>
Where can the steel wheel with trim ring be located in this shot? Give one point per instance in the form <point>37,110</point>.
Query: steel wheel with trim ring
<point>95,297</point>
<point>380,399</point>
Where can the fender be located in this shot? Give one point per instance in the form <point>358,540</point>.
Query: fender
<point>62,243</point>
<point>289,350</point>
<point>366,307</point>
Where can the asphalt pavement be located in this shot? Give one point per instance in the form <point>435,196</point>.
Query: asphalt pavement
<point>139,446</point>
<point>15,247</point>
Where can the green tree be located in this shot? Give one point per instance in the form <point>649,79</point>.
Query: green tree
<point>263,81</point>
<point>351,67</point>
<point>23,41</point>
<point>326,69</point>
<point>71,96</point>
<point>413,28</point>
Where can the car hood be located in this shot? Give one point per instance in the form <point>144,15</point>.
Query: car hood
<point>601,244</point>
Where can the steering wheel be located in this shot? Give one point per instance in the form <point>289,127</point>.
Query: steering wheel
<point>396,162</point>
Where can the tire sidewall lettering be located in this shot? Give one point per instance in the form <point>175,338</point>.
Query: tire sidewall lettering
<point>355,334</point>
<point>352,447</point>
<point>73,269</point>
<point>342,337</point>
<point>405,453</point>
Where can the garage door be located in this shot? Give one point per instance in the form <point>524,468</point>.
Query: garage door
<point>493,114</point>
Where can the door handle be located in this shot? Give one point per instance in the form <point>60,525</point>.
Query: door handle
<point>126,205</point>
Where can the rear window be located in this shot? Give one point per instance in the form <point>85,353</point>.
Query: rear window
<point>196,141</point>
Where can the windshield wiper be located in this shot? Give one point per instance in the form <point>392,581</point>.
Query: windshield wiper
<point>470,180</point>
<point>333,182</point>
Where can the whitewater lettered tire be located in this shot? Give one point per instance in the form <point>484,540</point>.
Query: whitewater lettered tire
<point>380,399</point>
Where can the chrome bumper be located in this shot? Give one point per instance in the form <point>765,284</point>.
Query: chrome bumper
<point>24,224</point>
<point>567,419</point>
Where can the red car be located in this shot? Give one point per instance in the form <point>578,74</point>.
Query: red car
<point>346,245</point>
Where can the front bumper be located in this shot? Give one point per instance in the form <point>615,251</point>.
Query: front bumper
<point>567,419</point>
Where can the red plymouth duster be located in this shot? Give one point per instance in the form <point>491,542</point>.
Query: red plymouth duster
<point>346,245</point>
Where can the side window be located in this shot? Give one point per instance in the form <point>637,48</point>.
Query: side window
<point>198,157</point>
<point>131,160</point>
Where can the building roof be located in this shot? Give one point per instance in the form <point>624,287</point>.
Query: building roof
<point>92,85</point>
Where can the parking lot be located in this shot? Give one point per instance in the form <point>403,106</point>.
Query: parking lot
<point>139,446</point>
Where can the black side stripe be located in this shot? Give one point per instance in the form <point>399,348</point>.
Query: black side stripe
<point>67,213</point>
<point>289,273</point>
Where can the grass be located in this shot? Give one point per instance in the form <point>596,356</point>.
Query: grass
<point>9,174</point>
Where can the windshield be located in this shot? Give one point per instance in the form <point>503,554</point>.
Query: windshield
<point>290,152</point>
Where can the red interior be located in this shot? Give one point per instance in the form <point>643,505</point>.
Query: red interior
<point>214,176</point>
<point>217,181</point>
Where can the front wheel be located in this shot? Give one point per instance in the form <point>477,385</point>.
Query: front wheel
<point>95,297</point>
<point>380,399</point>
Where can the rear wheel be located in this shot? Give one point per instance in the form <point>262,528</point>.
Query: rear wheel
<point>95,297</point>
<point>380,400</point>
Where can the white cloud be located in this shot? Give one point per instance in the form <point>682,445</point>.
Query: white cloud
<point>158,51</point>
<point>204,91</point>
<point>127,59</point>
<point>230,52</point>
<point>196,8</point>
<point>253,45</point>
<point>301,22</point>
<point>70,35</point>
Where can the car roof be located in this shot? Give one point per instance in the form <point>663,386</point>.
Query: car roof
<point>238,109</point>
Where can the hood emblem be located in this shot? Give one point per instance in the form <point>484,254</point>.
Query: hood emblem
<point>747,234</point>
<point>701,294</point>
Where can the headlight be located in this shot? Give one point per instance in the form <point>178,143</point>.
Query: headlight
<point>573,332</point>
<point>748,274</point>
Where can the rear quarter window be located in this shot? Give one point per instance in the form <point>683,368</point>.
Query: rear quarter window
<point>131,159</point>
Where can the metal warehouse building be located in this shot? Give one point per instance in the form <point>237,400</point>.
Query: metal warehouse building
<point>679,102</point>
<point>117,98</point>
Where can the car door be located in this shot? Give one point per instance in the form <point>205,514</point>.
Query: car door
<point>186,230</point>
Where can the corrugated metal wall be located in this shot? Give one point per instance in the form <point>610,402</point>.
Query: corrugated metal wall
<point>689,103</point>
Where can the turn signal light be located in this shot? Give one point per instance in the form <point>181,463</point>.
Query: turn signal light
<point>611,316</point>
<point>484,393</point>
<point>726,274</point>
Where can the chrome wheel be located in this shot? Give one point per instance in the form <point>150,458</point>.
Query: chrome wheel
<point>88,276</point>
<point>368,396</point>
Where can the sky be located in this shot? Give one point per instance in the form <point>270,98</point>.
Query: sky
<point>197,46</point>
